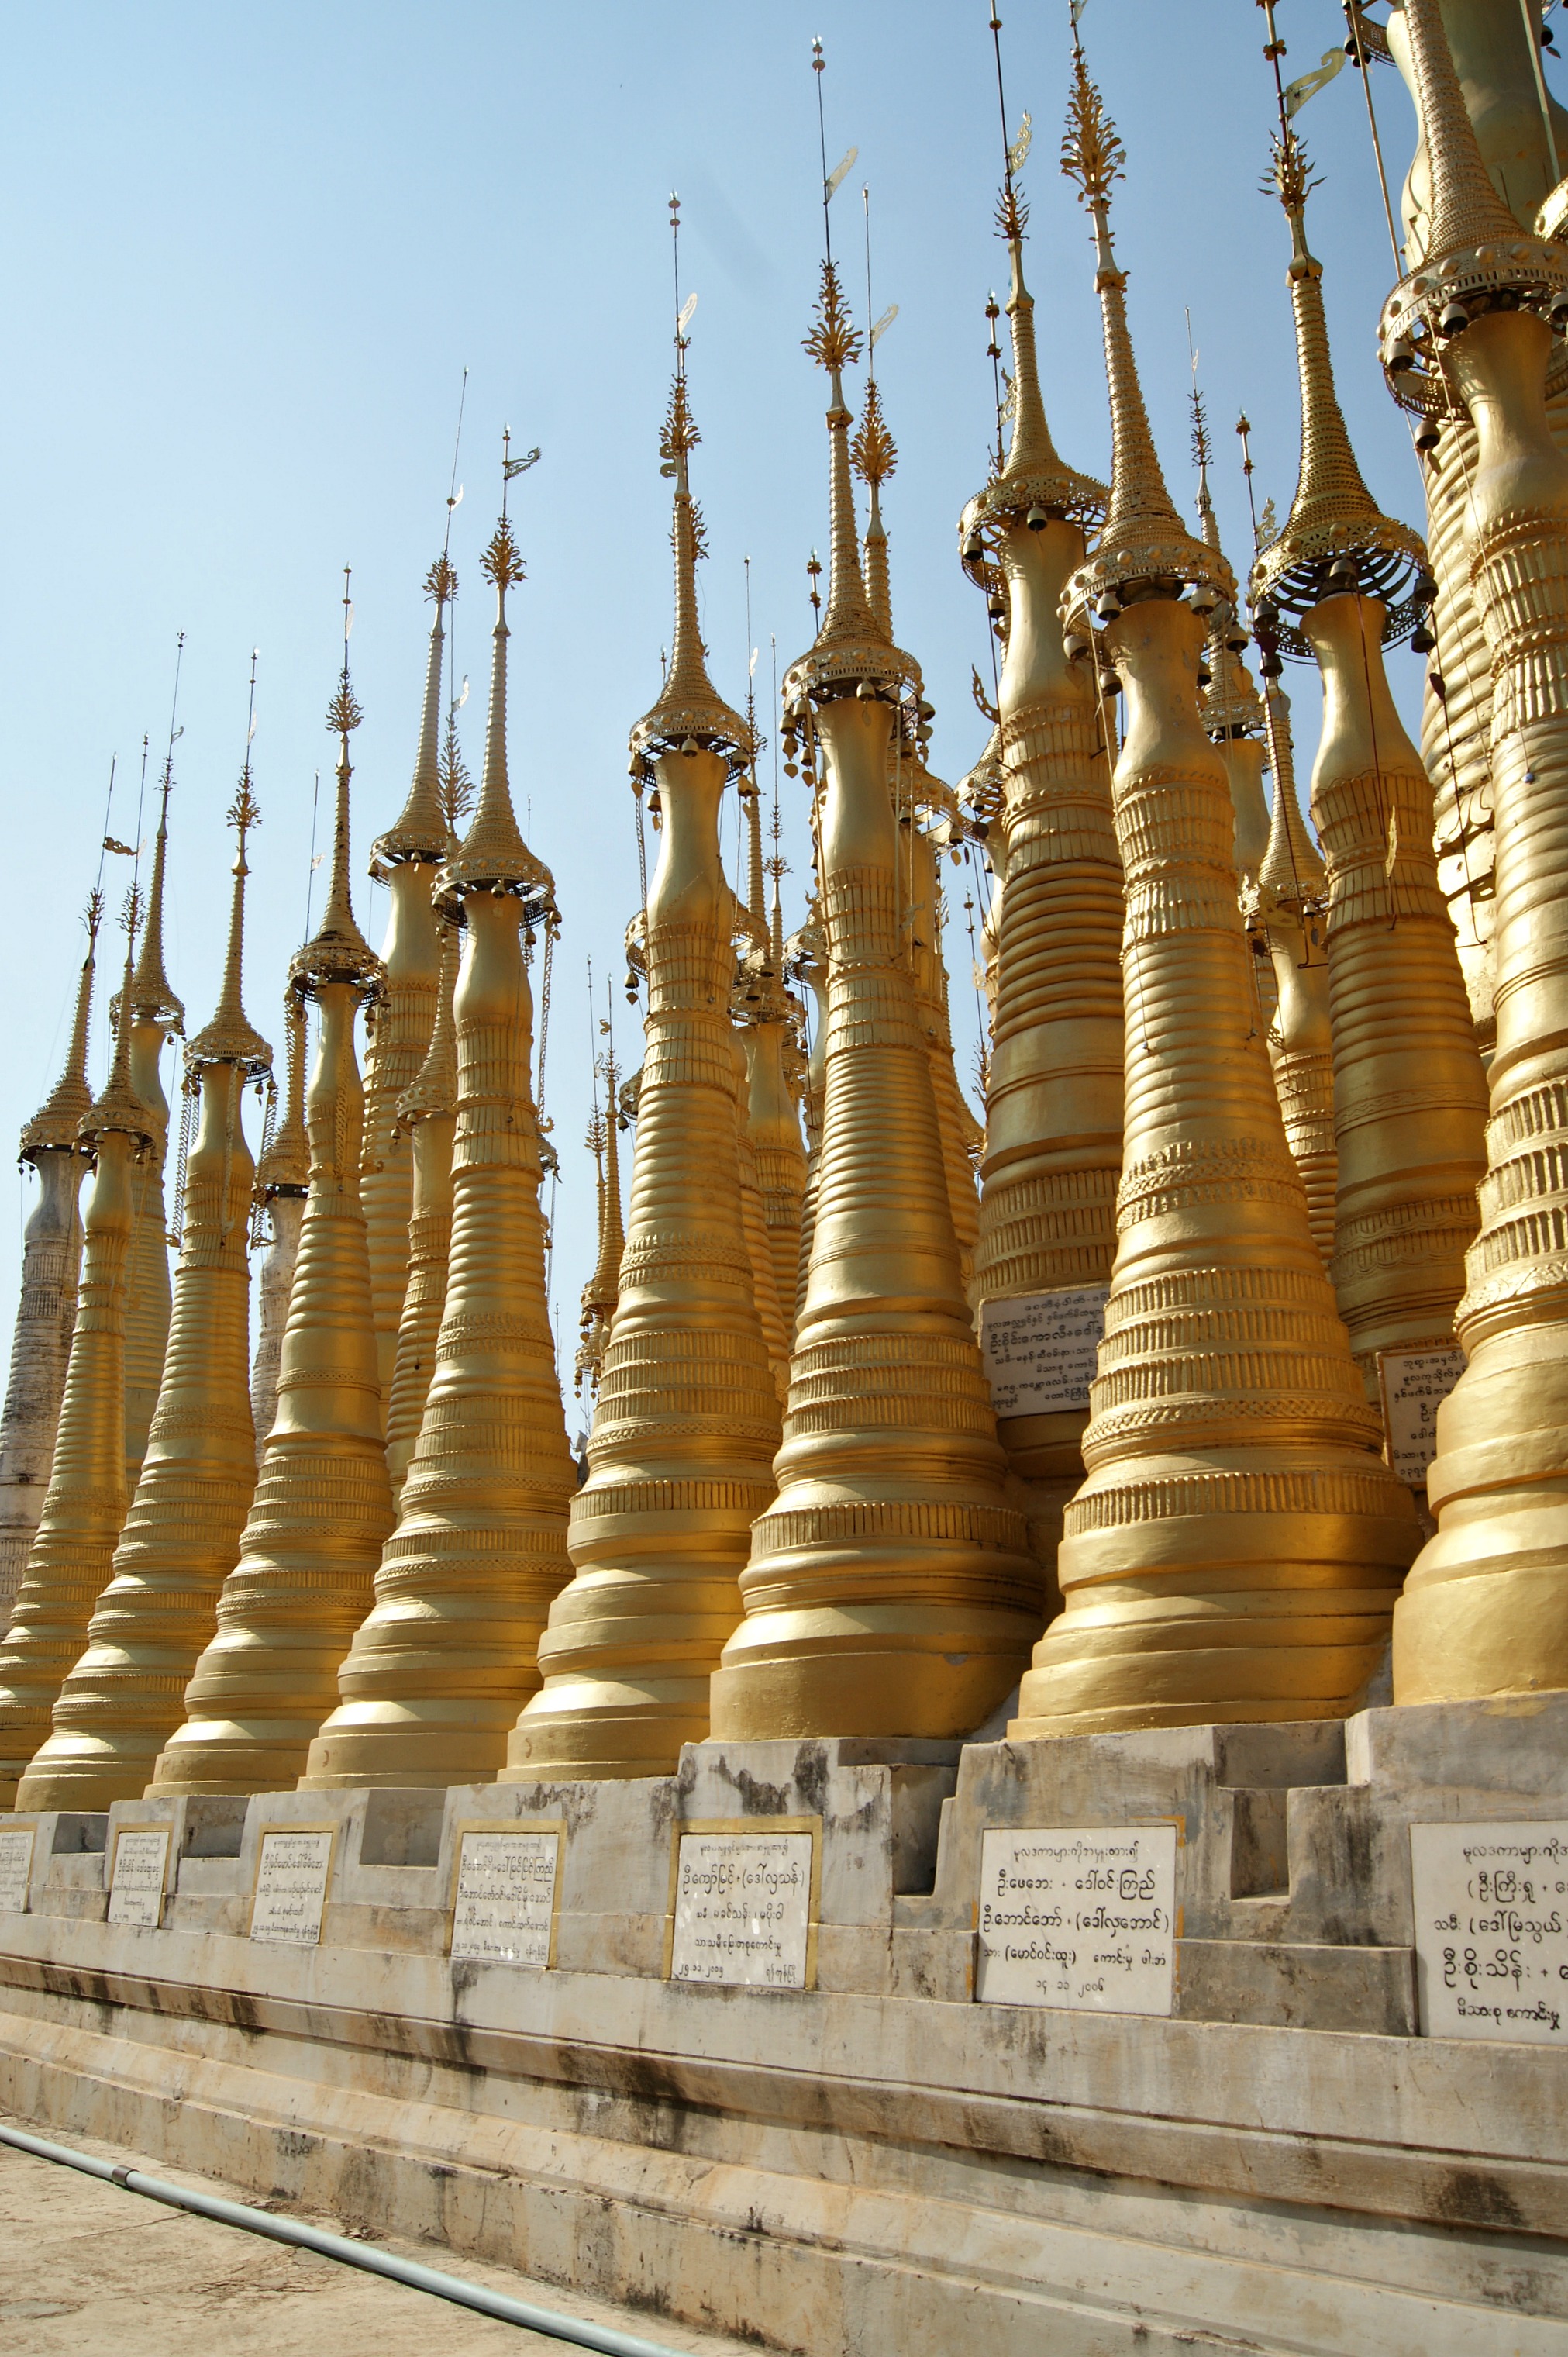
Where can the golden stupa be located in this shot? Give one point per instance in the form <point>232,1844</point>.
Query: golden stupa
<point>322,1505</point>
<point>1236,1547</point>
<point>45,1313</point>
<point>84,1505</point>
<point>124,1697</point>
<point>429,1687</point>
<point>680,1457</point>
<point>1486,1608</point>
<point>427,1112</point>
<point>282,1182</point>
<point>156,1016</point>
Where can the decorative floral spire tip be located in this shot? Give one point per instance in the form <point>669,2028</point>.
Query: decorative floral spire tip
<point>339,951</point>
<point>231,1038</point>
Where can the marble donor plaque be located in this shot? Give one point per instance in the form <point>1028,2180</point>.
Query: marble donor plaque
<point>136,1877</point>
<point>1491,1931</point>
<point>743,1907</point>
<point>16,1868</point>
<point>505,1911</point>
<point>1040,1351</point>
<point>1081,1916</point>
<point>292,1866</point>
<point>1414,1385</point>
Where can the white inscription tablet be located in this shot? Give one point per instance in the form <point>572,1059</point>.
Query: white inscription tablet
<point>505,1911</point>
<point>136,1876</point>
<point>744,1905</point>
<point>1081,1916</point>
<point>1491,1931</point>
<point>1414,1386</point>
<point>16,1868</point>
<point>1040,1351</point>
<point>291,1868</point>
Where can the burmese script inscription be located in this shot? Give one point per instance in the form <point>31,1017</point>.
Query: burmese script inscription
<point>1491,1931</point>
<point>1040,1351</point>
<point>743,1907</point>
<point>506,1896</point>
<point>136,1877</point>
<point>1414,1386</point>
<point>1081,1916</point>
<point>291,1885</point>
<point>16,1868</point>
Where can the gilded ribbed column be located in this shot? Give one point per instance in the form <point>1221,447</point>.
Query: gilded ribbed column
<point>427,1111</point>
<point>1288,896</point>
<point>431,1686</point>
<point>406,857</point>
<point>777,1331</point>
<point>808,955</point>
<point>775,1074</point>
<point>282,1179</point>
<point>1491,50</point>
<point>1236,1549</point>
<point>157,1016</point>
<point>45,1314</point>
<point>602,1291</point>
<point>889,1592</point>
<point>1408,1090</point>
<point>124,1698</point>
<point>84,1504</point>
<point>322,1506</point>
<point>1486,1608</point>
<point>1053,1106</point>
<point>680,1459</point>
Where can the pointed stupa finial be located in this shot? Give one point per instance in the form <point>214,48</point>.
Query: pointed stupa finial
<point>339,951</point>
<point>852,652</point>
<point>602,1292</point>
<point>492,855</point>
<point>285,1167</point>
<point>118,1108</point>
<point>152,998</point>
<point>420,833</point>
<point>231,1038</point>
<point>55,1125</point>
<point>1336,536</point>
<point>1291,874</point>
<point>1034,480</point>
<point>689,710</point>
<point>1476,259</point>
<point>1143,544</point>
<point>1231,704</point>
<point>874,454</point>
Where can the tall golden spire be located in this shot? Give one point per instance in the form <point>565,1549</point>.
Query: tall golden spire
<point>1485,1610</point>
<point>428,1690</point>
<point>1053,1098</point>
<point>45,1313</point>
<point>602,1291</point>
<point>1288,896</point>
<point>874,455</point>
<point>123,1699</point>
<point>774,1073</point>
<point>427,1111</point>
<point>888,1590</point>
<point>84,1505</point>
<point>680,1458</point>
<point>282,1179</point>
<point>1409,1092</point>
<point>155,1016</point>
<point>406,856</point>
<point>322,1504</point>
<point>1233,1476</point>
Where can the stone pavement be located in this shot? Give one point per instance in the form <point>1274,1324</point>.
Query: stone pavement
<point>89,2267</point>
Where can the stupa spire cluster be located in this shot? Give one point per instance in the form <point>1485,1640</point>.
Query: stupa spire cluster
<point>1061,1405</point>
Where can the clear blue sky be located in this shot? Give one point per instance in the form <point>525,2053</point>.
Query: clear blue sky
<point>247,253</point>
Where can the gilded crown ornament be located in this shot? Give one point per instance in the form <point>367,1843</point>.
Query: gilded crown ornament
<point>686,1422</point>
<point>1236,1549</point>
<point>429,1688</point>
<point>124,1697</point>
<point>45,1314</point>
<point>322,1504</point>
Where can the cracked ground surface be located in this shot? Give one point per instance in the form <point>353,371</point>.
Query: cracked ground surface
<point>86,2266</point>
